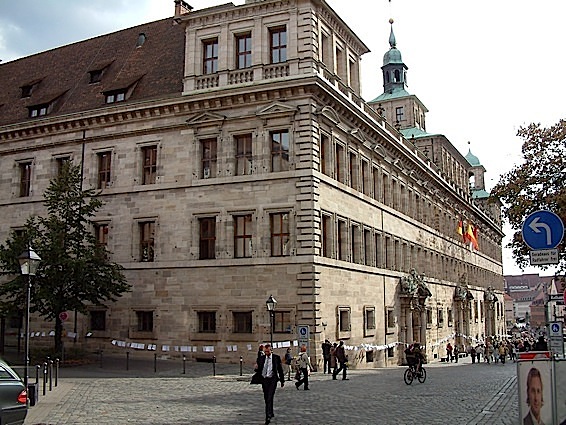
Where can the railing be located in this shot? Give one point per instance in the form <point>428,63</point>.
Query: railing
<point>240,76</point>
<point>275,71</point>
<point>206,82</point>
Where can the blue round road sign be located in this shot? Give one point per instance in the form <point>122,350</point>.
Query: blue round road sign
<point>543,230</point>
<point>555,327</point>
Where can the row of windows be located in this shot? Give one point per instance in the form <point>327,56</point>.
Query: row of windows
<point>350,168</point>
<point>243,159</point>
<point>243,55</point>
<point>242,236</point>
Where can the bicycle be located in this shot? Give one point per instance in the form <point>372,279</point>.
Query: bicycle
<point>411,374</point>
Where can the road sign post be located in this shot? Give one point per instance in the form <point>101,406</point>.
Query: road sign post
<point>303,335</point>
<point>542,232</point>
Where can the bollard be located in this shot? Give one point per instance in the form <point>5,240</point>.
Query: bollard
<point>37,371</point>
<point>155,363</point>
<point>127,360</point>
<point>184,365</point>
<point>56,371</point>
<point>44,377</point>
<point>100,357</point>
<point>241,365</point>
<point>213,365</point>
<point>50,375</point>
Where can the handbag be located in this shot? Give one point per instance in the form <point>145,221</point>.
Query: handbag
<point>257,378</point>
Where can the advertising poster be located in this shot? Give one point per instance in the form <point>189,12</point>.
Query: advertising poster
<point>560,376</point>
<point>535,391</point>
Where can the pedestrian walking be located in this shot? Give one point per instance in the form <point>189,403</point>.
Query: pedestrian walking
<point>271,369</point>
<point>342,360</point>
<point>288,362</point>
<point>333,362</point>
<point>326,346</point>
<point>304,363</point>
<point>456,353</point>
<point>449,352</point>
<point>473,354</point>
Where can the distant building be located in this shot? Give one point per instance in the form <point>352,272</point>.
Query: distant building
<point>237,160</point>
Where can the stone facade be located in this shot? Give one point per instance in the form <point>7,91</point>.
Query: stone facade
<point>271,179</point>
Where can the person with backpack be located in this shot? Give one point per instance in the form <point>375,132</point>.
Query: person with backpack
<point>304,364</point>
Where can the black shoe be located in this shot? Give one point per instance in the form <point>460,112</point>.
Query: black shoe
<point>267,420</point>
<point>307,389</point>
<point>345,379</point>
<point>334,378</point>
<point>297,385</point>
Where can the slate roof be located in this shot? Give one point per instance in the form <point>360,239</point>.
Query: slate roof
<point>62,75</point>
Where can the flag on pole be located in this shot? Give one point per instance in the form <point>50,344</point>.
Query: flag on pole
<point>470,237</point>
<point>460,229</point>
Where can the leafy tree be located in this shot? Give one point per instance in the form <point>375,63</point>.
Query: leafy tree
<point>539,183</point>
<point>74,271</point>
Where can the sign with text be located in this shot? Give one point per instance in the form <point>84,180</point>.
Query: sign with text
<point>544,256</point>
<point>303,335</point>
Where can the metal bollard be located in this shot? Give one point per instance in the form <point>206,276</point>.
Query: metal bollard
<point>155,363</point>
<point>213,365</point>
<point>241,365</point>
<point>50,375</point>
<point>44,377</point>
<point>37,371</point>
<point>56,371</point>
<point>127,360</point>
<point>184,365</point>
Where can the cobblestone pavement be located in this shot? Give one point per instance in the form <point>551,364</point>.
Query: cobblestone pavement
<point>453,393</point>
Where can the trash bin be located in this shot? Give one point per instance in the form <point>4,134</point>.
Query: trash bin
<point>33,393</point>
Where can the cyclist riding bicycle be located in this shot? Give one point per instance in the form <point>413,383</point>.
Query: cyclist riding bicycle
<point>415,356</point>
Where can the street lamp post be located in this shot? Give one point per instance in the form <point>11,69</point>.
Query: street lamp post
<point>29,261</point>
<point>271,303</point>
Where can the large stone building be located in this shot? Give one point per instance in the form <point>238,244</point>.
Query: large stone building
<point>237,160</point>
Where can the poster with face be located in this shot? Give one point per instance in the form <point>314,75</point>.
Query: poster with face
<point>535,392</point>
<point>560,376</point>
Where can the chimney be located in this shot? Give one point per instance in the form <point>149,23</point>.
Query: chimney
<point>182,8</point>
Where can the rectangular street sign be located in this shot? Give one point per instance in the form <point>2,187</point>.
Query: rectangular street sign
<point>556,297</point>
<point>544,256</point>
<point>556,345</point>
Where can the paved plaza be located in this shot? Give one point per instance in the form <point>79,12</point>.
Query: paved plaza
<point>453,393</point>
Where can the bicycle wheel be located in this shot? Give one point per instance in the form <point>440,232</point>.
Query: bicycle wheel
<point>422,375</point>
<point>408,376</point>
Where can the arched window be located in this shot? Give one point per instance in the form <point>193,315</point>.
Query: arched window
<point>397,76</point>
<point>387,79</point>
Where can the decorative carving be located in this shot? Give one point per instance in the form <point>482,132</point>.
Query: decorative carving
<point>414,286</point>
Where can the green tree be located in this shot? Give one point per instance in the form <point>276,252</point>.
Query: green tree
<point>75,271</point>
<point>538,183</point>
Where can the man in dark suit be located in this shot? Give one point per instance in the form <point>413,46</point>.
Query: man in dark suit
<point>271,369</point>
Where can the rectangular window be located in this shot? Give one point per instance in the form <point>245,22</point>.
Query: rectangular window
<point>355,244</point>
<point>104,163</point>
<point>365,178</point>
<point>278,44</point>
<point>60,162</point>
<point>98,320</point>
<point>243,51</point>
<point>390,318</point>
<point>147,235</point>
<point>326,236</point>
<point>282,322</point>
<point>25,179</point>
<point>207,243</point>
<point>440,318</point>
<point>279,150</point>
<point>38,110</point>
<point>325,154</point>
<point>450,317</point>
<point>428,318</point>
<point>344,319</point>
<point>208,158</point>
<point>353,168</point>
<point>101,234</point>
<point>206,321</point>
<point>242,322</point>
<point>149,158</point>
<point>339,171</point>
<point>145,321</point>
<point>342,240</point>
<point>243,236</point>
<point>399,114</point>
<point>116,96</point>
<point>210,56</point>
<point>243,154</point>
<point>279,234</point>
<point>368,243</point>
<point>369,318</point>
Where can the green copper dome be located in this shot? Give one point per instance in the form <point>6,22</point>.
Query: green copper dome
<point>393,55</point>
<point>472,159</point>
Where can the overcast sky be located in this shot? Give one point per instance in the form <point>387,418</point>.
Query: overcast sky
<point>482,68</point>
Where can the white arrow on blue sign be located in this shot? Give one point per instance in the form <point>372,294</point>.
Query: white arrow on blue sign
<point>543,230</point>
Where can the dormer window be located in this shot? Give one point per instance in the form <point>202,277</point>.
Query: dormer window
<point>38,110</point>
<point>116,96</point>
<point>95,76</point>
<point>28,88</point>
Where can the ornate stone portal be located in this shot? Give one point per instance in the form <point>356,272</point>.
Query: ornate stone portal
<point>489,299</point>
<point>413,293</point>
<point>463,299</point>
